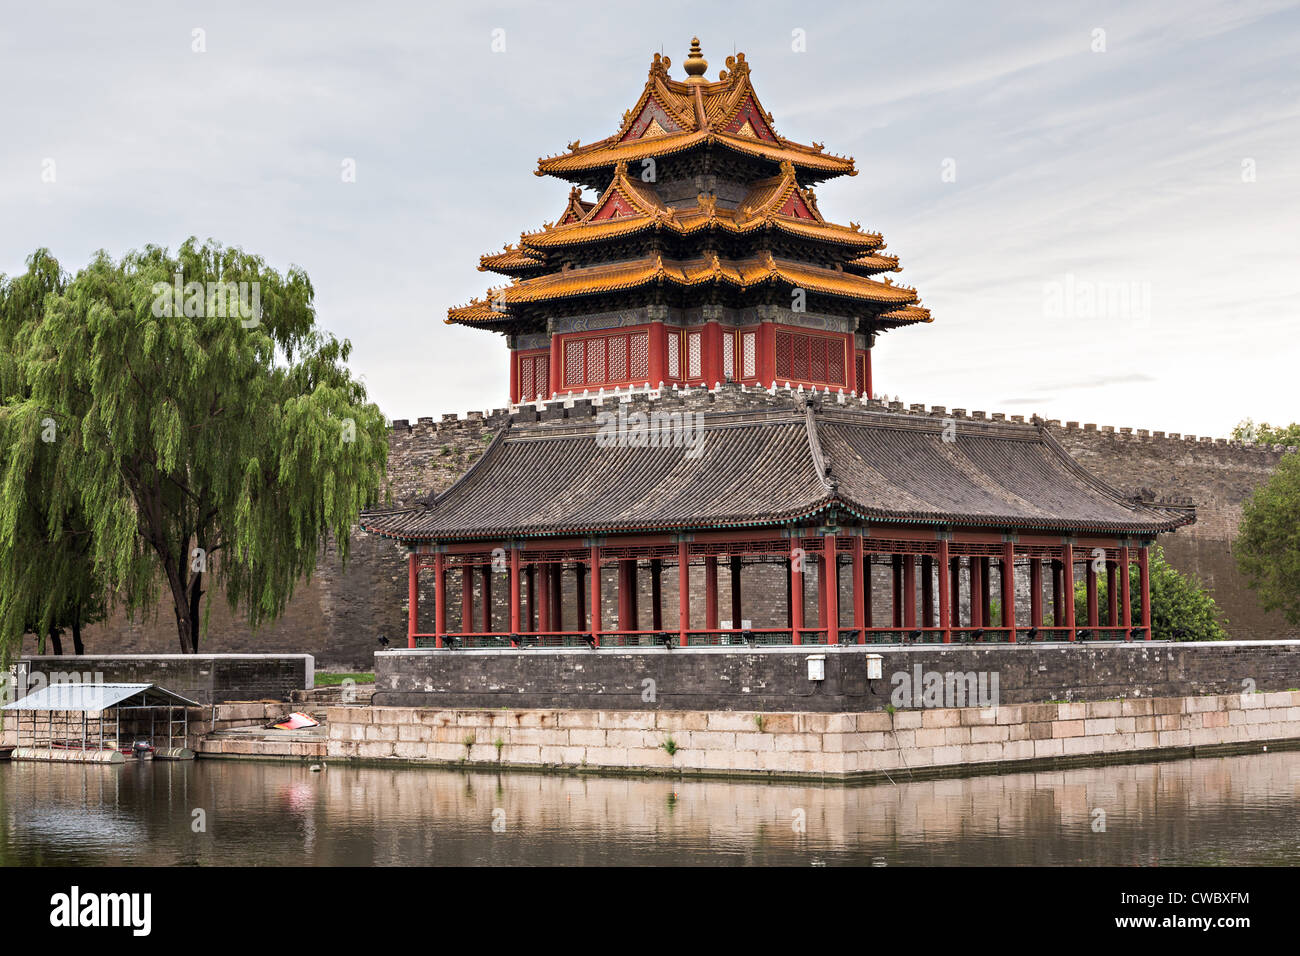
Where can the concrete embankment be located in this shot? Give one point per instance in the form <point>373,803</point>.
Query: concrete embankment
<point>844,746</point>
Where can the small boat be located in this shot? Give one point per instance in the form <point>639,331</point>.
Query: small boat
<point>295,721</point>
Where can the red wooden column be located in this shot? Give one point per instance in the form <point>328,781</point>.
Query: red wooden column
<point>828,580</point>
<point>909,590</point>
<point>736,612</point>
<point>1144,582</point>
<point>927,591</point>
<point>1067,587</point>
<point>976,593</point>
<point>683,590</point>
<point>544,598</point>
<point>765,360</point>
<point>485,577</point>
<point>898,590</point>
<point>595,594</point>
<point>439,598</point>
<point>796,593</point>
<point>1112,593</point>
<point>860,585</point>
<point>412,597</point>
<point>1009,589</point>
<point>656,594</point>
<point>1035,592</point>
<point>466,599</point>
<point>514,591</point>
<point>945,591</point>
<point>580,596</point>
<point>711,354</point>
<point>711,593</point>
<point>658,358</point>
<point>1125,602</point>
<point>1090,584</point>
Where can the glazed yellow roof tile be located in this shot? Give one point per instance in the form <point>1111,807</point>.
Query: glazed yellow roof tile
<point>874,263</point>
<point>511,260</point>
<point>743,274</point>
<point>702,110</point>
<point>756,211</point>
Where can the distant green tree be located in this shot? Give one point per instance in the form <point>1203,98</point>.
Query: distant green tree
<point>48,581</point>
<point>202,423</point>
<point>1268,542</point>
<point>1266,434</point>
<point>1181,609</point>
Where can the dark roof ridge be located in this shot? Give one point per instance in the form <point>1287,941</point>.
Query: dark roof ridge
<point>821,464</point>
<point>1187,512</point>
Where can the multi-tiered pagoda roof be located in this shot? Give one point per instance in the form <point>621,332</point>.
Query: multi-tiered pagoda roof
<point>701,213</point>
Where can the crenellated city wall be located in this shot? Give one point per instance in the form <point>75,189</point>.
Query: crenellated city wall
<point>341,614</point>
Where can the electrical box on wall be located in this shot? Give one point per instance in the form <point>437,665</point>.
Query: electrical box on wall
<point>816,666</point>
<point>875,667</point>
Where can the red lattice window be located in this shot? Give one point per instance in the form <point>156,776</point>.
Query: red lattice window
<point>534,376</point>
<point>749,354</point>
<point>694,354</point>
<point>810,357</point>
<point>860,373</point>
<point>618,359</point>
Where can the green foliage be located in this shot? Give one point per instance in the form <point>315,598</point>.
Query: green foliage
<point>327,679</point>
<point>1181,610</point>
<point>48,581</point>
<point>1268,542</point>
<point>1266,434</point>
<point>669,745</point>
<point>198,439</point>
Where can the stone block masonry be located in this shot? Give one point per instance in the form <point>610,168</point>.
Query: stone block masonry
<point>844,747</point>
<point>776,678</point>
<point>340,615</point>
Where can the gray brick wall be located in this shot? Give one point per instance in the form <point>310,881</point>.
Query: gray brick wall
<point>771,679</point>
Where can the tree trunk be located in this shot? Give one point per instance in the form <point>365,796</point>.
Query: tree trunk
<point>77,647</point>
<point>195,594</point>
<point>181,606</point>
<point>55,642</point>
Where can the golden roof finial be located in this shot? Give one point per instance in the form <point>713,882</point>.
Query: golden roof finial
<point>695,64</point>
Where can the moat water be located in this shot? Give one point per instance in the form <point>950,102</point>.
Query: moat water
<point>1230,810</point>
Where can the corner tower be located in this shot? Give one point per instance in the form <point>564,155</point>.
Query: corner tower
<point>701,257</point>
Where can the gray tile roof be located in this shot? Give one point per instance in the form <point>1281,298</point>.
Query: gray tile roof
<point>769,466</point>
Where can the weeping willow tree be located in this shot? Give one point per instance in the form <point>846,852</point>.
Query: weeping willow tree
<point>193,412</point>
<point>48,582</point>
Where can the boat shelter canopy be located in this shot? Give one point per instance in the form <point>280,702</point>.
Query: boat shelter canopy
<point>94,698</point>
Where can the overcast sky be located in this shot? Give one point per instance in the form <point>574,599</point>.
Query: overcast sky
<point>1020,158</point>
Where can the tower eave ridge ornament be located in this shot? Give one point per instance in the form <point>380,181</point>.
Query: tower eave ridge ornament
<point>695,64</point>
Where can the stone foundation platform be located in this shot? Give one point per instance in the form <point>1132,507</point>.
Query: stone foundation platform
<point>841,746</point>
